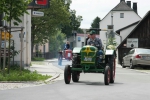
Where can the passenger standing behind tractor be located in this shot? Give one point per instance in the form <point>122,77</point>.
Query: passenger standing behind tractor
<point>88,36</point>
<point>94,41</point>
<point>60,57</point>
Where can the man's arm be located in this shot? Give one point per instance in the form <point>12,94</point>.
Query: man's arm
<point>100,43</point>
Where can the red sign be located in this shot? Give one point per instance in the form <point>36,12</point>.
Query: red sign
<point>41,2</point>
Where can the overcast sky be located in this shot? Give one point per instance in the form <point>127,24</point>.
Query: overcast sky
<point>90,9</point>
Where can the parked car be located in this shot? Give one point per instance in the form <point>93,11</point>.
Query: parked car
<point>136,57</point>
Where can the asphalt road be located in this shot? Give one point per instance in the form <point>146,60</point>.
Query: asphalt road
<point>129,85</point>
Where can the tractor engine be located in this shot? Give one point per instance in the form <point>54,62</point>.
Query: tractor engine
<point>88,55</point>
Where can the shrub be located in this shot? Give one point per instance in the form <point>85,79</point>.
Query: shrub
<point>38,59</point>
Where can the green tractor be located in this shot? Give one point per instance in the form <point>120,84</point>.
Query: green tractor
<point>85,60</point>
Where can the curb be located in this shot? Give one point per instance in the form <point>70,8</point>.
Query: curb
<point>141,71</point>
<point>53,77</point>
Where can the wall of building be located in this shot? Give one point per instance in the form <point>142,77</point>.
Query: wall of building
<point>41,48</point>
<point>26,53</point>
<point>124,33</point>
<point>117,22</point>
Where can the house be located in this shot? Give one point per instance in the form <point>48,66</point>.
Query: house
<point>123,32</point>
<point>138,37</point>
<point>26,26</point>
<point>119,17</point>
<point>26,45</point>
<point>43,51</point>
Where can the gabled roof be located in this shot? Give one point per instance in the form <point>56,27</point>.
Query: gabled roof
<point>117,31</point>
<point>148,13</point>
<point>122,6</point>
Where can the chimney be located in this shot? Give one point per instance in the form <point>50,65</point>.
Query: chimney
<point>122,0</point>
<point>129,3</point>
<point>135,6</point>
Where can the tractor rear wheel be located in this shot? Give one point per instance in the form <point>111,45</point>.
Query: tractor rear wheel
<point>67,74</point>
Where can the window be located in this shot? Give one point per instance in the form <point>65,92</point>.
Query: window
<point>121,15</point>
<point>79,38</point>
<point>131,51</point>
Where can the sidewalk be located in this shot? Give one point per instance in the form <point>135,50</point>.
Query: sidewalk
<point>47,68</point>
<point>44,68</point>
<point>138,69</point>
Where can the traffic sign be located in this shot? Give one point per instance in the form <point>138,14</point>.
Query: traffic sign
<point>41,2</point>
<point>2,44</point>
<point>37,13</point>
<point>6,34</point>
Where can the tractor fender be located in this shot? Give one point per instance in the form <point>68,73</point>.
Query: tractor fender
<point>109,52</point>
<point>76,50</point>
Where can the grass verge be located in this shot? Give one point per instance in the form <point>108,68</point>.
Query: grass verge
<point>25,75</point>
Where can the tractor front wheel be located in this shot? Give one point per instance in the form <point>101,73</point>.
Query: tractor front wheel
<point>75,76</point>
<point>107,75</point>
<point>112,64</point>
<point>67,74</point>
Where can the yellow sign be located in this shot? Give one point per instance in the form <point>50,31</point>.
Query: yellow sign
<point>8,35</point>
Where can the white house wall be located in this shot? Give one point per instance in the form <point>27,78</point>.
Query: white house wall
<point>81,42</point>
<point>26,55</point>
<point>124,33</point>
<point>28,39</point>
<point>117,22</point>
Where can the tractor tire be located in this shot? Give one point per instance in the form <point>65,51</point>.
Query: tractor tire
<point>112,64</point>
<point>67,74</point>
<point>75,76</point>
<point>107,75</point>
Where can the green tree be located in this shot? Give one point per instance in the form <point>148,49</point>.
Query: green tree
<point>95,23</point>
<point>13,10</point>
<point>80,30</point>
<point>55,45</point>
<point>45,27</point>
<point>74,24</point>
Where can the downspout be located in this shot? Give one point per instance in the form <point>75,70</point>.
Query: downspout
<point>27,41</point>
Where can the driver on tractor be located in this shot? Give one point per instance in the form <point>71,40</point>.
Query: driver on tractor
<point>94,41</point>
<point>67,45</point>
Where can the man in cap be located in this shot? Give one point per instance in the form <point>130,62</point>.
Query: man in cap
<point>94,41</point>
